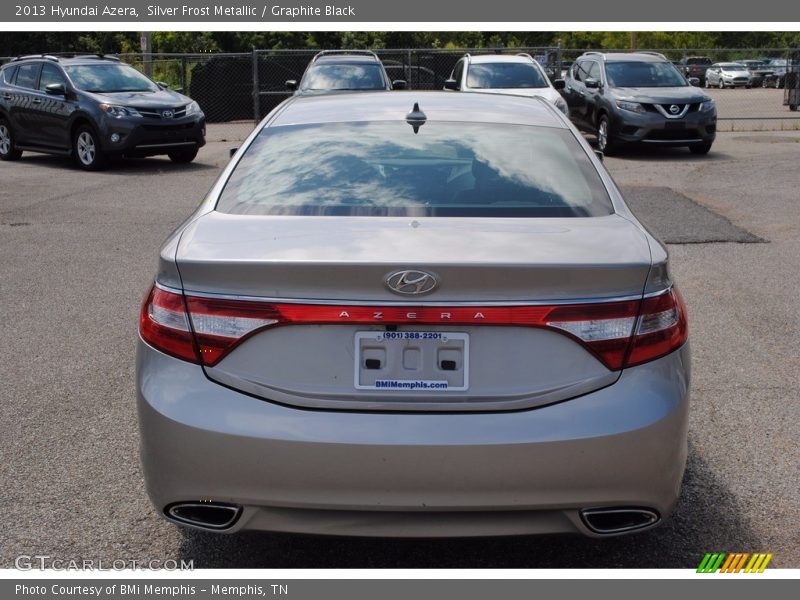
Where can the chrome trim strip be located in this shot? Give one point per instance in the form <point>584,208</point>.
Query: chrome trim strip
<point>168,145</point>
<point>689,141</point>
<point>680,115</point>
<point>313,301</point>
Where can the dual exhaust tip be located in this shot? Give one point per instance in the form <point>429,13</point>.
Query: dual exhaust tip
<point>207,515</point>
<point>616,520</point>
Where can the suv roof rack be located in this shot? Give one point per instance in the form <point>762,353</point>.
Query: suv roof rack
<point>525,54</point>
<point>29,56</point>
<point>345,52</point>
<point>595,52</point>
<point>97,55</point>
<point>653,53</point>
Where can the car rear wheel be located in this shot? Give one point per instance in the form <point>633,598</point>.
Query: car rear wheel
<point>8,147</point>
<point>183,156</point>
<point>700,148</point>
<point>86,149</point>
<point>605,142</point>
<point>793,107</point>
<point>721,85</point>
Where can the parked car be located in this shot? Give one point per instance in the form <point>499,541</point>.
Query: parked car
<point>638,97</point>
<point>414,314</point>
<point>416,77</point>
<point>777,77</point>
<point>758,69</point>
<point>695,66</point>
<point>517,74</point>
<point>728,75</point>
<point>343,71</point>
<point>93,108</point>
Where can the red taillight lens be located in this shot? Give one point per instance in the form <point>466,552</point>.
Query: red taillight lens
<point>164,324</point>
<point>662,328</point>
<point>219,325</point>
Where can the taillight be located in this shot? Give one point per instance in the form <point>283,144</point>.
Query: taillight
<point>220,325</point>
<point>662,327</point>
<point>613,331</point>
<point>164,324</point>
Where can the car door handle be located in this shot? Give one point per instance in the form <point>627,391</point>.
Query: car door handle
<point>37,101</point>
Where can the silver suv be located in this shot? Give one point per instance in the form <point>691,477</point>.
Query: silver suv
<point>518,75</point>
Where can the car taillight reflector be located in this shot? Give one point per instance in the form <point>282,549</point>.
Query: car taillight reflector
<point>662,327</point>
<point>619,334</point>
<point>164,324</point>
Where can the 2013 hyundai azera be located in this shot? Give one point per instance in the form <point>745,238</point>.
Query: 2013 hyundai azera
<point>414,314</point>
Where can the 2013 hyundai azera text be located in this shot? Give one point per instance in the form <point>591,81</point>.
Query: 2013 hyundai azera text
<point>414,314</point>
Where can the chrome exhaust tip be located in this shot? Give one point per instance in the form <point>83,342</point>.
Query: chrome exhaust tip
<point>608,521</point>
<point>208,515</point>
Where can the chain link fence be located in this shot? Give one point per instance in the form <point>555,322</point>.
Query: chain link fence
<point>239,89</point>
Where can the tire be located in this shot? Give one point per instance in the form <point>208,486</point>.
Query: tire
<point>8,147</point>
<point>720,84</point>
<point>605,143</point>
<point>793,107</point>
<point>183,157</point>
<point>707,84</point>
<point>747,87</point>
<point>700,148</point>
<point>86,150</point>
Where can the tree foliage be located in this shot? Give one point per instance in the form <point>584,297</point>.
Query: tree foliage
<point>16,43</point>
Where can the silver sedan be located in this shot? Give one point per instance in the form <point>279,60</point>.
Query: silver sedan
<point>414,314</point>
<point>728,75</point>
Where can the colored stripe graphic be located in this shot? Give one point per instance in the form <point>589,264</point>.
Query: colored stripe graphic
<point>734,562</point>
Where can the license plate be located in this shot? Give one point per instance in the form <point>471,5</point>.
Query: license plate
<point>412,361</point>
<point>675,125</point>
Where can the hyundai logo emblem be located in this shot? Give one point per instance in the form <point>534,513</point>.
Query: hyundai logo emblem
<point>410,282</point>
<point>167,114</point>
<point>674,109</point>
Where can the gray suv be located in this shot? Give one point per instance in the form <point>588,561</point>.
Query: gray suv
<point>638,97</point>
<point>93,108</point>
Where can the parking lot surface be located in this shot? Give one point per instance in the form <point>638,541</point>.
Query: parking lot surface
<point>79,251</point>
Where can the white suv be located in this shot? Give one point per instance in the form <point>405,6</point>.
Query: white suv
<point>518,74</point>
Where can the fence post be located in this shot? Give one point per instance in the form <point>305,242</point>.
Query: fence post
<point>183,76</point>
<point>256,90</point>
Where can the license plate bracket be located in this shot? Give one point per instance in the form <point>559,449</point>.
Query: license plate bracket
<point>412,361</point>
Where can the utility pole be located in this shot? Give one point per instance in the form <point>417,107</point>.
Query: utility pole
<point>633,40</point>
<point>147,52</point>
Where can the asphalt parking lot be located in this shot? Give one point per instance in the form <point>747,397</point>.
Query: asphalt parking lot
<point>79,250</point>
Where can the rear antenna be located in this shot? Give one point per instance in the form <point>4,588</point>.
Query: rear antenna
<point>416,118</point>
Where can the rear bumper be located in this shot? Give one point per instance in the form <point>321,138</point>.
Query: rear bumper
<point>402,474</point>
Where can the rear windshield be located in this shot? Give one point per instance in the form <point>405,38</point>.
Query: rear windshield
<point>505,76</point>
<point>445,169</point>
<point>367,76</point>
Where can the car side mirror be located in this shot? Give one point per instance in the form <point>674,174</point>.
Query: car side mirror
<point>399,84</point>
<point>559,84</point>
<point>163,85</point>
<point>451,84</point>
<point>291,84</point>
<point>592,84</point>
<point>56,89</point>
<point>695,81</point>
<point>599,154</point>
<point>231,152</point>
